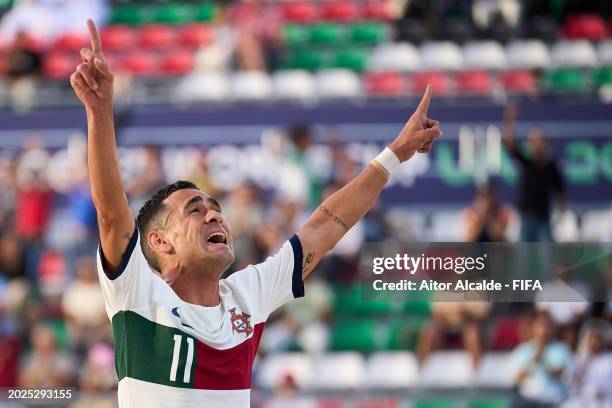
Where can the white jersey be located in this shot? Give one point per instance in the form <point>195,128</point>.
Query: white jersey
<point>170,353</point>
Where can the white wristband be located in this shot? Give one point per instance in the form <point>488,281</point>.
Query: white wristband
<point>386,161</point>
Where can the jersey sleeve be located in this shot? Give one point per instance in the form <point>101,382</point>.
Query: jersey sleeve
<point>272,283</point>
<point>131,285</point>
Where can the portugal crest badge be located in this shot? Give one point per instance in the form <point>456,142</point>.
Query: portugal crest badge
<point>240,323</point>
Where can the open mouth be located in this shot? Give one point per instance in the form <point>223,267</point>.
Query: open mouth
<point>217,238</point>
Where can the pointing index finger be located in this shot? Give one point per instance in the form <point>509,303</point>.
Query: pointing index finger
<point>96,46</point>
<point>424,104</point>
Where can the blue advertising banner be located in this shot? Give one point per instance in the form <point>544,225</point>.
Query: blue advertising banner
<point>580,135</point>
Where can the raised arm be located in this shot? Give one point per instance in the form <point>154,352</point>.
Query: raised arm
<point>509,132</point>
<point>93,83</point>
<point>336,215</point>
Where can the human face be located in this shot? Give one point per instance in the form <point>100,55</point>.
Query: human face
<point>594,341</point>
<point>542,329</point>
<point>199,235</point>
<point>537,143</point>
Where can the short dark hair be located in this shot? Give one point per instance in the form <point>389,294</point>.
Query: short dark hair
<point>150,217</point>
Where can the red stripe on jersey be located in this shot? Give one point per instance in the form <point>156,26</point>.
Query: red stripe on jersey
<point>228,369</point>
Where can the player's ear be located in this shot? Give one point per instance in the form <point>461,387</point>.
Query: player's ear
<point>158,243</point>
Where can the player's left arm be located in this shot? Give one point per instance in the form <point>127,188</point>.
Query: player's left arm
<point>337,214</point>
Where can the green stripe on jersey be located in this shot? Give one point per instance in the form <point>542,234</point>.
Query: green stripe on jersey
<point>152,352</point>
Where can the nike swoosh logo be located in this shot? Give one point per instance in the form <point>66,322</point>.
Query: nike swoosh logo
<point>176,313</point>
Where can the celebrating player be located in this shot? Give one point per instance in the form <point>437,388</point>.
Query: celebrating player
<point>183,336</point>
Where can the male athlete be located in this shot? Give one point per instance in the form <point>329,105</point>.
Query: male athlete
<point>183,337</point>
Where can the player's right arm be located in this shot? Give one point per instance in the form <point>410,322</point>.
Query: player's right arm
<point>93,83</point>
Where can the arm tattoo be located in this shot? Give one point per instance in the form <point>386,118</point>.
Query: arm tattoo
<point>334,217</point>
<point>307,261</point>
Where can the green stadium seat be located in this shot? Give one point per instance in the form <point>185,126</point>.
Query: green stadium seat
<point>353,59</point>
<point>174,14</point>
<point>359,335</point>
<point>421,308</point>
<point>326,34</point>
<point>5,5</point>
<point>368,33</point>
<point>294,35</point>
<point>492,402</point>
<point>602,76</point>
<point>350,302</point>
<point>418,303</point>
<point>566,80</point>
<point>403,334</point>
<point>434,403</point>
<point>205,12</point>
<point>132,15</point>
<point>345,299</point>
<point>308,59</point>
<point>60,333</point>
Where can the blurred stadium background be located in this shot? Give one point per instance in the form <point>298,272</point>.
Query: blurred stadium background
<point>272,105</point>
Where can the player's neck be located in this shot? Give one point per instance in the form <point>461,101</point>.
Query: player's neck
<point>203,292</point>
<point>193,283</point>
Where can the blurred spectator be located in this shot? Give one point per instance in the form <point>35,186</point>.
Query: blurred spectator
<point>8,184</point>
<point>567,302</point>
<point>9,360</point>
<point>300,179</point>
<point>200,175</point>
<point>540,179</point>
<point>258,35</point>
<point>539,366</point>
<point>9,340</point>
<point>285,395</point>
<point>35,197</point>
<point>454,322</point>
<point>98,375</point>
<point>82,211</point>
<point>80,202</point>
<point>83,304</point>
<point>149,178</point>
<point>52,277</point>
<point>24,66</point>
<point>45,366</point>
<point>486,220</point>
<point>511,330</point>
<point>12,255</point>
<point>280,334</point>
<point>244,209</point>
<point>313,314</point>
<point>590,385</point>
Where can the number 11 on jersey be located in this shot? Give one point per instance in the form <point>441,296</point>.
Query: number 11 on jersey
<point>178,340</point>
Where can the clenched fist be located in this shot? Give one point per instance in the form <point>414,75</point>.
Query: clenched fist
<point>419,132</point>
<point>93,80</point>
